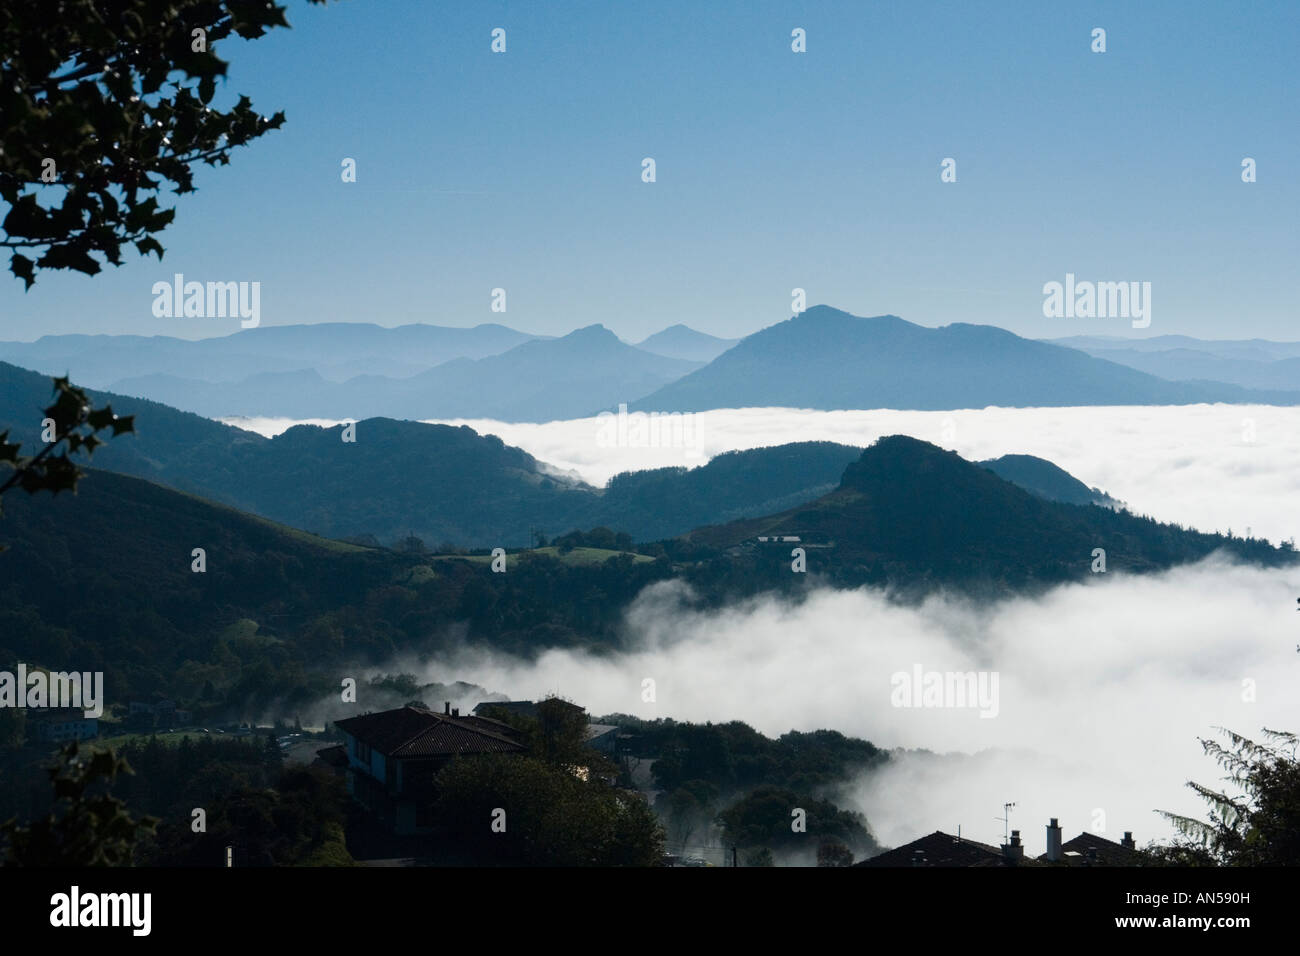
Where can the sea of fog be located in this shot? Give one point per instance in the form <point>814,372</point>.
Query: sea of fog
<point>1212,467</point>
<point>1103,688</point>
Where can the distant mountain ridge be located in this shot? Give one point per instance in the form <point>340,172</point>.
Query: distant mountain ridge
<point>1249,363</point>
<point>539,380</point>
<point>825,358</point>
<point>336,350</point>
<point>1229,348</point>
<point>683,342</point>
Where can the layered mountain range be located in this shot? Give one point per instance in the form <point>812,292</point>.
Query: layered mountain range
<point>823,358</point>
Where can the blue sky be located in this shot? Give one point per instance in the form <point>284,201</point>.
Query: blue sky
<point>775,170</point>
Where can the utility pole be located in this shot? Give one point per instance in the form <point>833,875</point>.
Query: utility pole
<point>733,857</point>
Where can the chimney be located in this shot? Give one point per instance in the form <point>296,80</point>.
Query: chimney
<point>1053,841</point>
<point>455,711</point>
<point>1128,840</point>
<point>1014,851</point>
<point>446,707</point>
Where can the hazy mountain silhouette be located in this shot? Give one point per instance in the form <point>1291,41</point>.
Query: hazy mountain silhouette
<point>337,350</point>
<point>683,342</point>
<point>1249,349</point>
<point>540,380</point>
<point>1249,363</point>
<point>828,359</point>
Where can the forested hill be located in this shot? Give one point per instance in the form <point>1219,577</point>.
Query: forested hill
<point>106,580</point>
<point>911,514</point>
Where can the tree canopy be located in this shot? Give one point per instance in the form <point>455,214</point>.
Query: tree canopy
<point>105,103</point>
<point>1260,825</point>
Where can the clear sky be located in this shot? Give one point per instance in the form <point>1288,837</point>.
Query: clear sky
<point>775,170</point>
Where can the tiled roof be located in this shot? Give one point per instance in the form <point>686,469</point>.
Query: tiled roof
<point>491,726</point>
<point>944,849</point>
<point>1108,852</point>
<point>939,849</point>
<point>414,732</point>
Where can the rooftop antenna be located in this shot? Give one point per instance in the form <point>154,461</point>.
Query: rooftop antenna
<point>1006,820</point>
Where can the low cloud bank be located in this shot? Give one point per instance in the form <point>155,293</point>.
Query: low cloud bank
<point>1102,690</point>
<point>1212,467</point>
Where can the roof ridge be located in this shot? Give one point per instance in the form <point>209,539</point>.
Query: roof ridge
<point>419,733</point>
<point>1096,836</point>
<point>478,730</point>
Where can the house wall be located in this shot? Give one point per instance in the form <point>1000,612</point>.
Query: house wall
<point>375,767</point>
<point>350,744</point>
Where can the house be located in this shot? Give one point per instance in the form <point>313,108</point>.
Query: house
<point>603,738</point>
<point>394,756</point>
<point>944,849</point>
<point>61,724</point>
<point>1089,849</point>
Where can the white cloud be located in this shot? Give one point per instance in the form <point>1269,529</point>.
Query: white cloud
<point>1191,464</point>
<point>1104,688</point>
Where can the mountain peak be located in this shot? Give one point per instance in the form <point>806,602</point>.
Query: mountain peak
<point>813,313</point>
<point>592,333</point>
<point>823,313</point>
<point>683,342</point>
<point>900,458</point>
<point>594,329</point>
<point>827,358</point>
